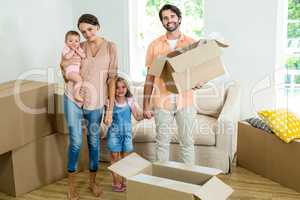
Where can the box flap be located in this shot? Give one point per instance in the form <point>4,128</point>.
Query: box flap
<point>174,53</point>
<point>196,56</point>
<point>166,183</point>
<point>192,168</point>
<point>186,173</point>
<point>130,165</point>
<point>167,77</point>
<point>189,46</point>
<point>214,189</point>
<point>222,43</point>
<point>158,66</point>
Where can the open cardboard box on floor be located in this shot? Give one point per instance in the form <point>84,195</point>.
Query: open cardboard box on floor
<point>169,180</point>
<point>268,156</point>
<point>182,69</point>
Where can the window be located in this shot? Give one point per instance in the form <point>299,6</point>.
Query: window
<point>289,91</point>
<point>145,26</point>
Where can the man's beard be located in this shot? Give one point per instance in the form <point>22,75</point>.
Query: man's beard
<point>171,29</point>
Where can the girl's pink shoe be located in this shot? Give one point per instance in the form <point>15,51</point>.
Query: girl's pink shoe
<point>118,188</point>
<point>124,185</point>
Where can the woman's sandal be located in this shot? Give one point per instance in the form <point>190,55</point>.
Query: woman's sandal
<point>96,190</point>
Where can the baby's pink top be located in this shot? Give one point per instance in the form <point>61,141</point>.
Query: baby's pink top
<point>67,49</point>
<point>95,71</point>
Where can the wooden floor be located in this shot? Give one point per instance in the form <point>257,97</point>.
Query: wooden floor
<point>246,185</point>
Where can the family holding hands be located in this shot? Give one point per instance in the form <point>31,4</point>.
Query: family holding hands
<point>93,89</point>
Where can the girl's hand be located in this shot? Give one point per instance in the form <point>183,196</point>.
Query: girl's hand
<point>147,112</point>
<point>108,118</point>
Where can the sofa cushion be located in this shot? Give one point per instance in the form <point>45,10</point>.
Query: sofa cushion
<point>144,131</point>
<point>259,123</point>
<point>137,90</point>
<point>209,99</point>
<point>285,124</point>
<point>203,131</point>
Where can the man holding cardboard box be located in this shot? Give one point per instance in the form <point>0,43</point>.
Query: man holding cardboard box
<point>169,105</point>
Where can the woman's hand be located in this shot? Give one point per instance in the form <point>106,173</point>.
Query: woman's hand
<point>108,118</point>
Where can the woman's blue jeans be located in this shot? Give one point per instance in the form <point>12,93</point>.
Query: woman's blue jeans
<point>75,116</point>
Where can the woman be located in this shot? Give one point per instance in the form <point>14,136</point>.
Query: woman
<point>98,71</point>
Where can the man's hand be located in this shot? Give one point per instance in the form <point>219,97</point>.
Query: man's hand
<point>199,85</point>
<point>147,113</point>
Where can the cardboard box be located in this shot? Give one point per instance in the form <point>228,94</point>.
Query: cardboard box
<point>169,180</point>
<point>60,121</point>
<point>182,69</point>
<point>36,164</point>
<point>268,156</point>
<point>25,113</point>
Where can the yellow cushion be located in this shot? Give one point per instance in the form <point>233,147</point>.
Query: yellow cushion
<point>284,124</point>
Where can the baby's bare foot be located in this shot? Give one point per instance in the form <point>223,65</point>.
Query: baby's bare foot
<point>78,98</point>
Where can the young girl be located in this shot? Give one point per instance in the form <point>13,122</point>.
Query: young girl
<point>119,134</point>
<point>72,50</point>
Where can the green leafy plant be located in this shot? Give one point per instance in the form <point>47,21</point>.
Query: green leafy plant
<point>294,9</point>
<point>293,63</point>
<point>294,14</point>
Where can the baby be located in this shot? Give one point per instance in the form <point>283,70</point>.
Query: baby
<point>72,50</point>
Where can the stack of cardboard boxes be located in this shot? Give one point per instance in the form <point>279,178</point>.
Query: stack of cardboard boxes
<point>32,152</point>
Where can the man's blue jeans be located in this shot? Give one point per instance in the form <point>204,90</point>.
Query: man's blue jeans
<point>74,116</point>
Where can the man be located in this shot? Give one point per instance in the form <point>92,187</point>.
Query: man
<point>167,105</point>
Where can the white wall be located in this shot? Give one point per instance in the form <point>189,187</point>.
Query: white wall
<point>113,18</point>
<point>32,35</point>
<point>250,27</point>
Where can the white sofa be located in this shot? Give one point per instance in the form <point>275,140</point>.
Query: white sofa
<point>215,135</point>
